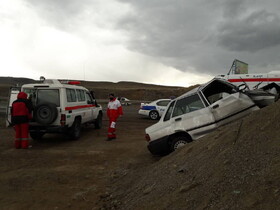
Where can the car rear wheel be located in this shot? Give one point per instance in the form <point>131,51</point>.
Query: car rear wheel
<point>154,115</point>
<point>178,142</point>
<point>75,130</point>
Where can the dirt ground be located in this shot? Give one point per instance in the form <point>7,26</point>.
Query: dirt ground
<point>235,167</point>
<point>60,174</point>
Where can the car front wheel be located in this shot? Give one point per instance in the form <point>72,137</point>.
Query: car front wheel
<point>98,122</point>
<point>154,115</point>
<point>75,130</point>
<point>178,142</point>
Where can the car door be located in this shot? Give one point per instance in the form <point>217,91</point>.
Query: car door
<point>226,102</point>
<point>190,114</point>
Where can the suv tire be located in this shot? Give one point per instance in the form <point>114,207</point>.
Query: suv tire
<point>154,115</point>
<point>98,122</point>
<point>178,142</point>
<point>75,129</point>
<point>45,114</point>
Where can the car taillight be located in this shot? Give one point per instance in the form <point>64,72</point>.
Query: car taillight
<point>63,120</point>
<point>147,137</point>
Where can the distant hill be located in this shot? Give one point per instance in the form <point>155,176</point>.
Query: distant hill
<point>13,81</point>
<point>131,90</point>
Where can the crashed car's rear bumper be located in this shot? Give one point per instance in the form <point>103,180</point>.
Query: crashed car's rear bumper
<point>159,146</point>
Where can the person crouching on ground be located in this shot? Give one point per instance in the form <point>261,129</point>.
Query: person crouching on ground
<point>114,110</point>
<point>20,116</point>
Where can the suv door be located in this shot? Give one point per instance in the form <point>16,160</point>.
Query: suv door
<point>92,107</point>
<point>12,97</point>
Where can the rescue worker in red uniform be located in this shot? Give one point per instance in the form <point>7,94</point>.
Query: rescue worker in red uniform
<point>114,110</point>
<point>20,116</point>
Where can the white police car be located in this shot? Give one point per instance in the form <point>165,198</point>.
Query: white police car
<point>155,109</point>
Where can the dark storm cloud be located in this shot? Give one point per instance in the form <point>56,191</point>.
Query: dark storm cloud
<point>200,36</point>
<point>205,35</point>
<point>63,14</point>
<point>166,28</point>
<point>260,30</point>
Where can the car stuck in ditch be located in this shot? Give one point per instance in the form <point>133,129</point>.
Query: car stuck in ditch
<point>196,113</point>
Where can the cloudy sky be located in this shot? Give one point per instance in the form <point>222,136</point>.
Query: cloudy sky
<point>168,42</point>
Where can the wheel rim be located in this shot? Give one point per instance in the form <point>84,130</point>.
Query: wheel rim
<point>179,144</point>
<point>154,115</point>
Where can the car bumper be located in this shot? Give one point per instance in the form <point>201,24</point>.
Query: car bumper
<point>159,146</point>
<point>49,129</point>
<point>144,112</point>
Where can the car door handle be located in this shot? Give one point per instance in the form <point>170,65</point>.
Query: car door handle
<point>178,119</point>
<point>215,106</point>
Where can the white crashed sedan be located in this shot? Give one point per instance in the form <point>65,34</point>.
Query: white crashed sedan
<point>196,113</point>
<point>155,109</point>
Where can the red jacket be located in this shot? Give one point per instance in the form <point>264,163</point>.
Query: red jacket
<point>21,109</point>
<point>114,109</point>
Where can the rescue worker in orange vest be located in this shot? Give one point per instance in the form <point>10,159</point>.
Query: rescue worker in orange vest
<point>114,110</point>
<point>20,116</point>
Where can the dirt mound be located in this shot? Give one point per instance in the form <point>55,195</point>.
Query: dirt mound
<point>235,167</point>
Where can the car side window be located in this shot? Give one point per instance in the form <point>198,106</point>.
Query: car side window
<point>81,95</point>
<point>187,104</point>
<point>169,112</point>
<point>163,103</point>
<point>89,98</point>
<point>71,95</point>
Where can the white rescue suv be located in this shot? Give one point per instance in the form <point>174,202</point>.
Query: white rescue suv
<point>61,107</point>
